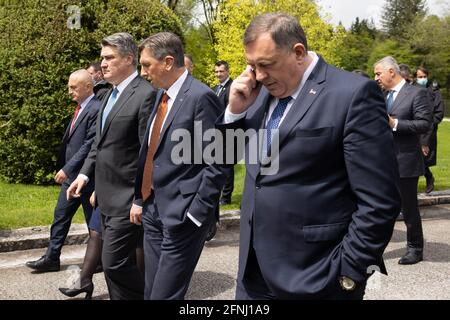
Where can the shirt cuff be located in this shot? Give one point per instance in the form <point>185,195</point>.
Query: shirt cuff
<point>84,177</point>
<point>232,117</point>
<point>395,125</point>
<point>197,223</point>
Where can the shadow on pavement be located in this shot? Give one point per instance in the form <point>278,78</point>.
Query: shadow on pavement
<point>207,284</point>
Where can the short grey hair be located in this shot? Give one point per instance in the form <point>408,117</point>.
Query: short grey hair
<point>165,44</point>
<point>284,29</point>
<point>124,43</point>
<point>388,63</point>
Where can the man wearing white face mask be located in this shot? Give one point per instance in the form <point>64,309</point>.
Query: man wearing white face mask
<point>429,140</point>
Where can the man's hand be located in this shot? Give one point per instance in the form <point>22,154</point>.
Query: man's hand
<point>60,177</point>
<point>92,199</point>
<point>426,150</point>
<point>136,214</point>
<point>243,91</point>
<point>74,190</point>
<point>391,122</point>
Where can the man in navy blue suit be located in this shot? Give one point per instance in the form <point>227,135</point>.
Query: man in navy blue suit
<point>316,227</point>
<point>176,196</point>
<point>76,144</point>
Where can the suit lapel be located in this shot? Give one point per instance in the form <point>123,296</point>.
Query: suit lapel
<point>179,100</point>
<point>80,118</point>
<point>310,92</point>
<point>120,103</point>
<point>403,93</point>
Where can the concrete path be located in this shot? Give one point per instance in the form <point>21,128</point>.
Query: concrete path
<point>215,274</point>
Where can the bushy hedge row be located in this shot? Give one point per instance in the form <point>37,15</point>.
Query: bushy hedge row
<point>38,51</point>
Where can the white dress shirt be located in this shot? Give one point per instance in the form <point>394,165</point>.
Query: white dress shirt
<point>396,90</point>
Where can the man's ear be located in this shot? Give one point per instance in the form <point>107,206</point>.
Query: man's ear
<point>169,61</point>
<point>300,51</point>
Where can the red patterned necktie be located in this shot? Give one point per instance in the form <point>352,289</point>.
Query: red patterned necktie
<point>77,110</point>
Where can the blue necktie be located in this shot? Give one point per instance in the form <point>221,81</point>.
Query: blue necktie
<point>275,119</point>
<point>390,101</point>
<point>111,101</point>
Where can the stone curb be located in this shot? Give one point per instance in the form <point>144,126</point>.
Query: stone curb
<point>38,237</point>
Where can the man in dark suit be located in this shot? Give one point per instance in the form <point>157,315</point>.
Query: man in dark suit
<point>429,140</point>
<point>113,161</point>
<point>76,144</point>
<point>101,87</point>
<point>222,90</point>
<point>409,112</point>
<point>177,193</point>
<point>315,225</point>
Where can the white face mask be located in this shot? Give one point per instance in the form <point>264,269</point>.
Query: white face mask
<point>422,82</point>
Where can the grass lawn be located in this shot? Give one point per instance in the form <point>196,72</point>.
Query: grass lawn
<point>25,205</point>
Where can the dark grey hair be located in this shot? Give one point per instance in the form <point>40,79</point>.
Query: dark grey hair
<point>124,43</point>
<point>165,44</point>
<point>284,29</point>
<point>388,63</point>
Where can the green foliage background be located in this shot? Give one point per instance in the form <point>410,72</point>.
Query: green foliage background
<point>235,16</point>
<point>37,54</point>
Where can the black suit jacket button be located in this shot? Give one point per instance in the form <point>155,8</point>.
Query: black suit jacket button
<point>258,186</point>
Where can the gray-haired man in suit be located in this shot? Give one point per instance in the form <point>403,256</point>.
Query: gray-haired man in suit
<point>409,116</point>
<point>175,200</point>
<point>113,161</point>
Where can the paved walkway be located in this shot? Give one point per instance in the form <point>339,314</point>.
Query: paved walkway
<point>215,275</point>
<point>37,237</point>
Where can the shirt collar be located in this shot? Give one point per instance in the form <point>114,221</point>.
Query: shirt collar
<point>399,86</point>
<point>225,82</point>
<point>309,70</point>
<point>86,101</point>
<point>172,92</point>
<point>121,86</point>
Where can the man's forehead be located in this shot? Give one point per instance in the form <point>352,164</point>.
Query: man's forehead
<point>109,50</point>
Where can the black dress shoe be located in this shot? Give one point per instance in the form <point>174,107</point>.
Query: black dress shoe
<point>44,264</point>
<point>411,257</point>
<point>72,292</point>
<point>430,185</point>
<point>211,232</point>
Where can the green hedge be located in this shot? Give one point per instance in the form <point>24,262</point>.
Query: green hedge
<point>38,51</point>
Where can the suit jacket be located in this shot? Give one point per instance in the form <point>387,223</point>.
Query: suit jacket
<point>331,207</point>
<point>114,154</point>
<point>193,186</point>
<point>76,144</point>
<point>102,89</point>
<point>430,138</point>
<point>225,93</point>
<point>412,109</point>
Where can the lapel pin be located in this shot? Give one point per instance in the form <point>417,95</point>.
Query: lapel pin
<point>312,91</point>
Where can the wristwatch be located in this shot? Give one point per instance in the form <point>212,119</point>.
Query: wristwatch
<point>346,283</point>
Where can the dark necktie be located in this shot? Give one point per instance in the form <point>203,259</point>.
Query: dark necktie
<point>146,188</point>
<point>77,110</point>
<point>390,101</point>
<point>275,120</point>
